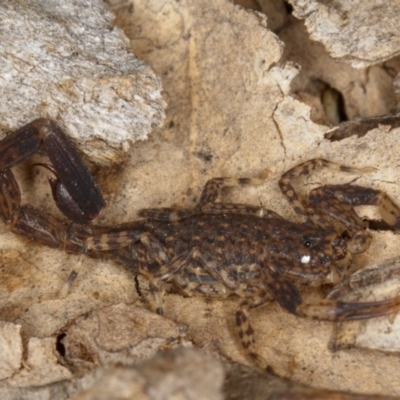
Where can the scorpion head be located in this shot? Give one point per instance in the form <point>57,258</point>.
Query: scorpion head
<point>322,248</point>
<point>315,255</point>
<point>329,256</point>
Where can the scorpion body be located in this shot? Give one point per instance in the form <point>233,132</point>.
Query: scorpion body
<point>215,249</point>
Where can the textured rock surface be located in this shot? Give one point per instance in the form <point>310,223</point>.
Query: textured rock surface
<point>361,33</point>
<point>185,374</point>
<point>10,349</point>
<point>41,367</point>
<point>65,61</point>
<point>366,92</point>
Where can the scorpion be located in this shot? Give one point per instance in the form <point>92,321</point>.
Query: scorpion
<point>216,249</point>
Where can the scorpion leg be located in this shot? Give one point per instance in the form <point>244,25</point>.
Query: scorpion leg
<point>207,262</point>
<point>246,331</point>
<point>285,184</point>
<point>354,195</point>
<point>332,310</point>
<point>212,189</point>
<point>214,186</point>
<point>116,240</point>
<point>289,298</point>
<point>208,205</point>
<point>223,280</point>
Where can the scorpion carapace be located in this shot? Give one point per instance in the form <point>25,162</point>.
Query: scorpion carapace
<point>215,249</point>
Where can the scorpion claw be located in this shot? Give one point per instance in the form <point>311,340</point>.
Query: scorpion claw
<point>63,199</point>
<point>75,190</point>
<point>71,170</point>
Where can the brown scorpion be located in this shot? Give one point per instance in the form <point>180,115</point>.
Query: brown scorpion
<point>215,249</point>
